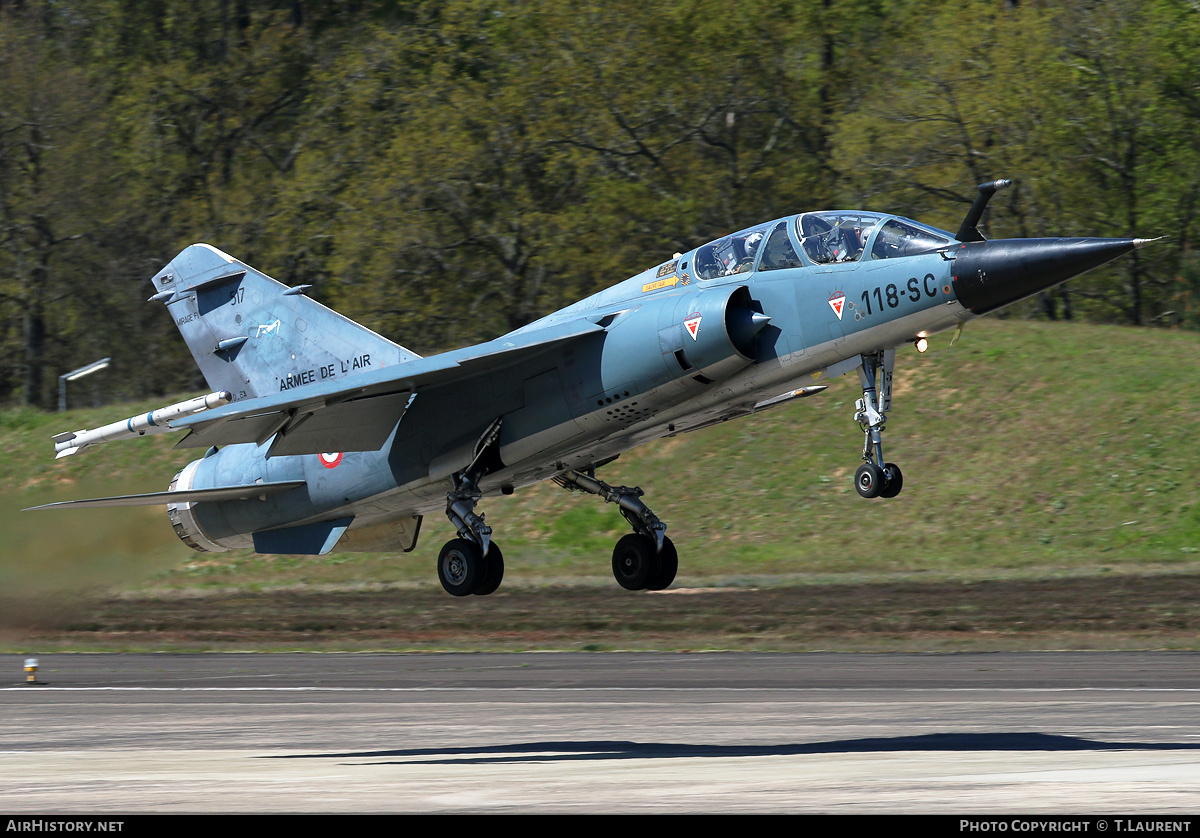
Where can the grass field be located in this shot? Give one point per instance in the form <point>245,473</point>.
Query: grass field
<point>1033,454</point>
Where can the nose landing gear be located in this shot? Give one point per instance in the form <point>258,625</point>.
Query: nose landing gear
<point>876,478</point>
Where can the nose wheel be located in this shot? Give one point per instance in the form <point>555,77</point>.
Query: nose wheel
<point>893,481</point>
<point>871,481</point>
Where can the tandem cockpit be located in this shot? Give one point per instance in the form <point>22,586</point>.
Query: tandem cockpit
<point>824,238</point>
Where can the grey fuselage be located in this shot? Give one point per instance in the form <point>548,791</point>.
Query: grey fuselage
<point>677,352</point>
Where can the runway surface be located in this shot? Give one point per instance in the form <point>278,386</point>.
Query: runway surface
<point>1091,733</point>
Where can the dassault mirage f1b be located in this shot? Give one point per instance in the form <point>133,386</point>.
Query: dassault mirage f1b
<point>321,434</point>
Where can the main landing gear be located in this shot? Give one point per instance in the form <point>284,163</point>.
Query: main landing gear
<point>876,478</point>
<point>471,563</point>
<point>644,560</point>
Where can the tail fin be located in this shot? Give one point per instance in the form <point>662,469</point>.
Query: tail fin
<point>253,336</point>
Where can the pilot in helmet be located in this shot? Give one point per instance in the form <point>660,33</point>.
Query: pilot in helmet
<point>752,242</point>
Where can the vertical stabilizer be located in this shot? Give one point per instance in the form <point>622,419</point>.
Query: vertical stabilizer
<point>253,336</point>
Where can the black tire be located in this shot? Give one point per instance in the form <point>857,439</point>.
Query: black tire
<point>494,571</point>
<point>460,567</point>
<point>893,481</point>
<point>868,480</point>
<point>668,566</point>
<point>635,562</point>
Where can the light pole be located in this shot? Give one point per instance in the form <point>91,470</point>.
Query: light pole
<point>95,366</point>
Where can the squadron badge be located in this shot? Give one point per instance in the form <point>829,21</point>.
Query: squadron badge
<point>837,302</point>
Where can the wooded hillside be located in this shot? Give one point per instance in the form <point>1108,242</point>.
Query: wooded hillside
<point>446,171</point>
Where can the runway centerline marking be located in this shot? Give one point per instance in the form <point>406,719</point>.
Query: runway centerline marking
<point>612,689</point>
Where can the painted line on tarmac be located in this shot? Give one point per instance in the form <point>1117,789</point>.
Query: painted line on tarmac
<point>47,688</point>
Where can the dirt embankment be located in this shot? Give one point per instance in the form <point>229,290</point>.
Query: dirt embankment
<point>1121,612</point>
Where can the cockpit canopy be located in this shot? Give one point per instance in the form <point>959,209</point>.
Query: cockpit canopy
<point>733,254</point>
<point>845,236</point>
<point>835,236</point>
<point>826,237</point>
<point>900,237</point>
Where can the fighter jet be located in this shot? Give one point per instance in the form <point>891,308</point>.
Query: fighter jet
<point>321,434</point>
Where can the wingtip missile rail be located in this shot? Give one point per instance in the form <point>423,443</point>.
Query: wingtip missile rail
<point>154,422</point>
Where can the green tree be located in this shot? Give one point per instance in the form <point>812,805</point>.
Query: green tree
<point>46,108</point>
<point>1073,101</point>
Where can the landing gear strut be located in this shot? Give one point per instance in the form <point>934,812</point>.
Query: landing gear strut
<point>644,560</point>
<point>471,563</point>
<point>876,478</point>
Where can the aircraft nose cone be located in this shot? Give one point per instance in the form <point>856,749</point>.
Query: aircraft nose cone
<point>989,275</point>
